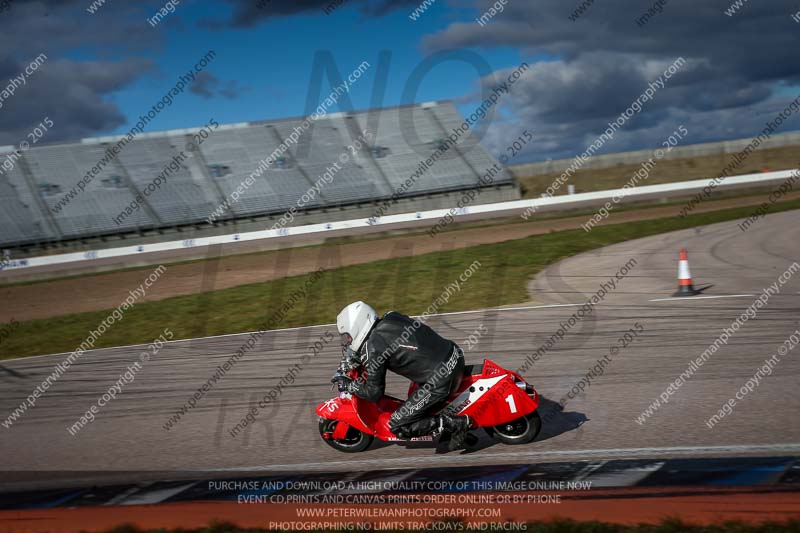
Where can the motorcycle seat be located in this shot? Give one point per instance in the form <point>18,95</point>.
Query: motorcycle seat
<point>473,370</point>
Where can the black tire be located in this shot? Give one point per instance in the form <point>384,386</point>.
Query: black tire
<point>354,441</point>
<point>520,431</point>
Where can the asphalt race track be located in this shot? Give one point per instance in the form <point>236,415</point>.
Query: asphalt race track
<point>600,423</point>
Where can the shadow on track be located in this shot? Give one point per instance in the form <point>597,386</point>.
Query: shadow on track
<point>554,423</point>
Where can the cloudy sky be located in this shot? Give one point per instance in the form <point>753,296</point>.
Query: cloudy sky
<point>105,69</point>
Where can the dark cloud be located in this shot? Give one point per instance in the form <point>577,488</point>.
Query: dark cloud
<point>74,95</point>
<point>51,26</point>
<point>77,95</point>
<point>740,70</point>
<point>232,89</point>
<point>250,12</point>
<point>203,84</point>
<point>207,85</point>
<point>599,64</point>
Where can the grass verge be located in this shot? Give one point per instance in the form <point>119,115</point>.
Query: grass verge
<point>409,284</point>
<point>667,171</point>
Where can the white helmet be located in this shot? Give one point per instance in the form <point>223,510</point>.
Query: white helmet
<point>354,323</point>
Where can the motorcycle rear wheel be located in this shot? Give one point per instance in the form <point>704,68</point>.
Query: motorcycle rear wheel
<point>520,431</point>
<point>353,442</point>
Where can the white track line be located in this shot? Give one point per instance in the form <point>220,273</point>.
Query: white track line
<point>679,298</point>
<point>437,460</point>
<point>490,310</point>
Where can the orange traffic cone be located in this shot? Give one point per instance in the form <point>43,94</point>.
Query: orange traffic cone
<point>685,287</point>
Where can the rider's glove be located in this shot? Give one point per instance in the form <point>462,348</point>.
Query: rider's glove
<point>345,384</point>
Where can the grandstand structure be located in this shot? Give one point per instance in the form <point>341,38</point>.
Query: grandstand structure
<point>401,137</point>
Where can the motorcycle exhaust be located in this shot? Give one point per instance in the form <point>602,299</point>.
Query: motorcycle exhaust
<point>527,388</point>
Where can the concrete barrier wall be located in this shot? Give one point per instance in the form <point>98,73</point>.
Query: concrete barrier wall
<point>421,219</point>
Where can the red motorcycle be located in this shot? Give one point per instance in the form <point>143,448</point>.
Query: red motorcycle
<point>495,399</point>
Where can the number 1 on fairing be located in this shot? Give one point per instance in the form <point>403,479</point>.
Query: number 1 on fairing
<point>511,404</point>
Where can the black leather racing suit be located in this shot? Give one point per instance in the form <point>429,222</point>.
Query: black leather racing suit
<point>413,350</point>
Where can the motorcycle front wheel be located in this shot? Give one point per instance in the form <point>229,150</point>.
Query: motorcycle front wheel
<point>520,431</point>
<point>353,442</point>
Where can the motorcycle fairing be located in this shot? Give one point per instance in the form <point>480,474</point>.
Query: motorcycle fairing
<point>503,402</point>
<point>495,396</point>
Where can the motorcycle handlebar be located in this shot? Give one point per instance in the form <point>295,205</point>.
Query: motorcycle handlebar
<point>349,366</point>
<point>348,363</point>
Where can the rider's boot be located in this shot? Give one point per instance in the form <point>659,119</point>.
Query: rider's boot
<point>458,428</point>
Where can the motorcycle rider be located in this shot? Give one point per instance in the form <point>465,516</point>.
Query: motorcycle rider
<point>413,350</point>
